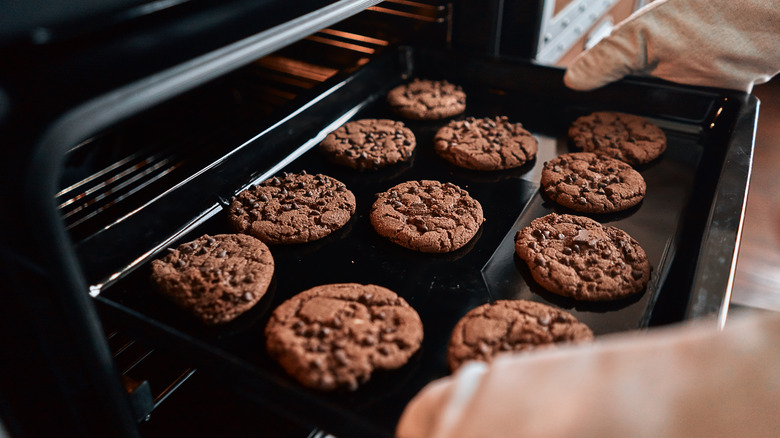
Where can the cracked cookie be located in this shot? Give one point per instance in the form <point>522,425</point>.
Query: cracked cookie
<point>589,183</point>
<point>369,144</point>
<point>577,257</point>
<point>511,326</point>
<point>626,137</point>
<point>424,99</point>
<point>295,208</point>
<point>485,144</point>
<point>335,335</point>
<point>216,278</point>
<point>427,216</point>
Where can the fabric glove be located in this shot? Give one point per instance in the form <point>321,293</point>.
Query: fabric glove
<point>718,43</point>
<point>689,381</point>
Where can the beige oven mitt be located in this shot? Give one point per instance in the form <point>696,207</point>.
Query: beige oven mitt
<point>680,381</point>
<point>717,43</point>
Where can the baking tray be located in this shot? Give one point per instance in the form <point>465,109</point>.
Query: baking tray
<point>672,224</point>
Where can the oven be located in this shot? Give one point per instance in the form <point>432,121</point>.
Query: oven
<point>127,128</point>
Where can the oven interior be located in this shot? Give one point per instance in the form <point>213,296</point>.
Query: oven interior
<point>154,179</point>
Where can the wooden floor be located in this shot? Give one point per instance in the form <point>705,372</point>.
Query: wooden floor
<point>757,280</point>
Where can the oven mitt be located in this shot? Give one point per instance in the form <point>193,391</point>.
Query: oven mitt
<point>684,381</point>
<point>717,43</point>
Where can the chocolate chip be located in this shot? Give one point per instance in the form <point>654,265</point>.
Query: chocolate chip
<point>341,357</point>
<point>327,380</point>
<point>317,362</point>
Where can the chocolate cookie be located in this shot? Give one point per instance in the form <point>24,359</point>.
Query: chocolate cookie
<point>577,257</point>
<point>427,100</point>
<point>589,183</point>
<point>511,325</point>
<point>626,137</point>
<point>369,144</point>
<point>485,144</point>
<point>296,208</point>
<point>427,216</point>
<point>217,277</point>
<point>336,335</point>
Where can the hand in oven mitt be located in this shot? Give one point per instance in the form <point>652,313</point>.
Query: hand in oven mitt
<point>718,43</point>
<point>672,382</point>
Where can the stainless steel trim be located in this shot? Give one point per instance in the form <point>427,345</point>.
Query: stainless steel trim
<point>717,264</point>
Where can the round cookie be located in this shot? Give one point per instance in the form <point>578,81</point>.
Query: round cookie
<point>511,325</point>
<point>485,144</point>
<point>577,257</point>
<point>336,335</point>
<point>590,183</point>
<point>427,216</point>
<point>296,208</point>
<point>424,99</point>
<point>216,278</point>
<point>626,137</point>
<point>369,144</point>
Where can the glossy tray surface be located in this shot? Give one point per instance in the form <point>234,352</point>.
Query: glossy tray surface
<point>443,287</point>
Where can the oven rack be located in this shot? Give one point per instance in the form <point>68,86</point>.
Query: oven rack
<point>113,173</point>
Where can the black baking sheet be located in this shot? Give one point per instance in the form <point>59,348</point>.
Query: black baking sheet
<point>441,287</point>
